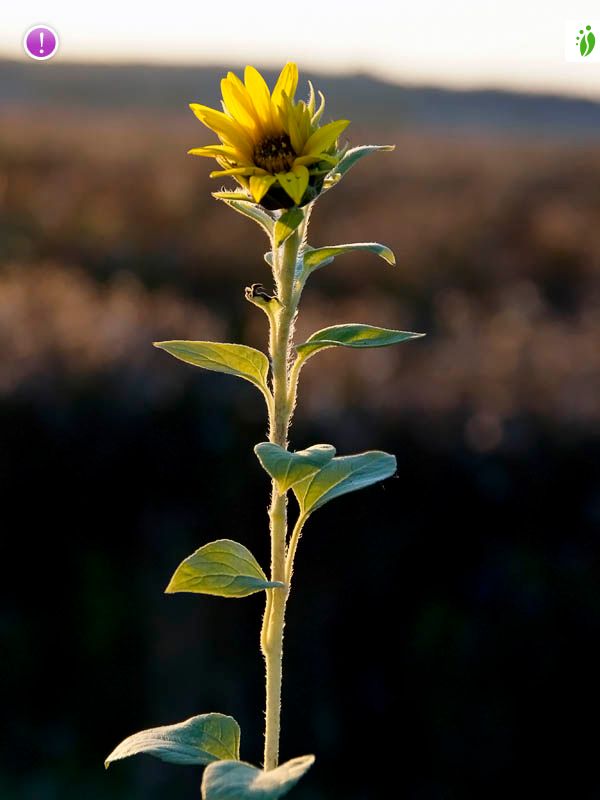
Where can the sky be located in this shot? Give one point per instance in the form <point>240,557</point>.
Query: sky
<point>514,44</point>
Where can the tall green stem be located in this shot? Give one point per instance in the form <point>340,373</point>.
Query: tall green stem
<point>274,620</point>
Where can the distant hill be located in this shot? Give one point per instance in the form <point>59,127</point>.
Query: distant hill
<point>364,99</point>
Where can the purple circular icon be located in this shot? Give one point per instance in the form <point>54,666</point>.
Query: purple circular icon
<point>40,42</point>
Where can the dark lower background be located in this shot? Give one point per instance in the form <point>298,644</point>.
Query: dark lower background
<point>443,626</point>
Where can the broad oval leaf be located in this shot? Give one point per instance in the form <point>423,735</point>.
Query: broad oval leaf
<point>198,740</point>
<point>286,225</point>
<point>236,780</point>
<point>343,475</point>
<point>321,256</point>
<point>233,359</point>
<point>354,335</point>
<point>287,468</point>
<point>224,568</point>
<point>351,158</point>
<point>249,209</point>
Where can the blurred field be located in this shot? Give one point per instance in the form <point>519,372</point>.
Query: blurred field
<point>482,559</point>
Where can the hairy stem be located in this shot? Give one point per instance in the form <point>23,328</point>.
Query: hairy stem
<point>279,419</point>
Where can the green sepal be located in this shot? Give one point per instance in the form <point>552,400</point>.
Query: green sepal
<point>223,568</point>
<point>287,223</point>
<point>233,359</point>
<point>352,334</point>
<point>236,780</point>
<point>288,468</point>
<point>350,158</point>
<point>198,740</point>
<point>246,206</point>
<point>321,256</point>
<point>341,476</point>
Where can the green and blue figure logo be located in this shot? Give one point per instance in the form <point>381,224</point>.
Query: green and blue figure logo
<point>586,41</point>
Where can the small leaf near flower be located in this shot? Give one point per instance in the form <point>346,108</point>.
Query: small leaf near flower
<point>287,224</point>
<point>248,209</point>
<point>320,256</point>
<point>350,158</point>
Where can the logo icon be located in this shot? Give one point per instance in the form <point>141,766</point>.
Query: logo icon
<point>586,41</point>
<point>40,42</point>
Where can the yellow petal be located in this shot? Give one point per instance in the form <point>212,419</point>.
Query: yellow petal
<point>324,137</point>
<point>215,151</point>
<point>292,126</point>
<point>287,82</point>
<point>279,116</point>
<point>239,104</point>
<point>246,171</point>
<point>227,129</point>
<point>260,185</point>
<point>294,182</point>
<point>304,122</point>
<point>260,95</point>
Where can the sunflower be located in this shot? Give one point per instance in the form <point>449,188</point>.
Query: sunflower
<point>271,144</point>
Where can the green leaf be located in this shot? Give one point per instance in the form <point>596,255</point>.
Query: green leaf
<point>321,256</point>
<point>287,224</point>
<point>351,158</point>
<point>198,740</point>
<point>343,475</point>
<point>249,209</point>
<point>288,468</point>
<point>352,335</point>
<point>236,780</point>
<point>587,44</point>
<point>233,359</point>
<point>223,568</point>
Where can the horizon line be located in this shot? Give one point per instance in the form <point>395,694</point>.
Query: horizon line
<point>454,85</point>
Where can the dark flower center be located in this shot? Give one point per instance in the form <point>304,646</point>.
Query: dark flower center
<point>275,154</point>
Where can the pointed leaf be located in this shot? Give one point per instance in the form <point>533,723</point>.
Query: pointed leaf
<point>236,780</point>
<point>352,335</point>
<point>351,157</point>
<point>343,475</point>
<point>319,257</point>
<point>288,468</point>
<point>198,740</point>
<point>224,568</point>
<point>233,359</point>
<point>287,224</point>
<point>250,210</point>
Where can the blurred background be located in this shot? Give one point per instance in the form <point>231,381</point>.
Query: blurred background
<point>464,665</point>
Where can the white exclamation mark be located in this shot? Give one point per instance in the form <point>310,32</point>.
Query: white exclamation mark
<point>41,41</point>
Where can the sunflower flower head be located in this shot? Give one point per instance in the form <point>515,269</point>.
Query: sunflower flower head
<point>272,144</point>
